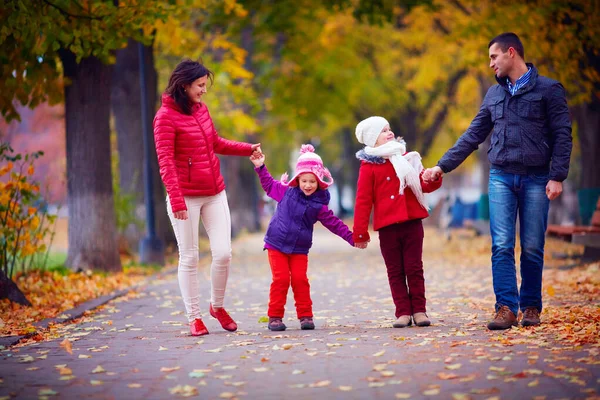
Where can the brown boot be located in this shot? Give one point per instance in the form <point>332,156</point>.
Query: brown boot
<point>504,319</point>
<point>531,317</point>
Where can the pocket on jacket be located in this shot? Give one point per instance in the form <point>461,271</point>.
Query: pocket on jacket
<point>531,107</point>
<point>498,110</point>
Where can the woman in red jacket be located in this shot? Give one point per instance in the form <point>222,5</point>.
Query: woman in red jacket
<point>390,180</point>
<point>187,145</point>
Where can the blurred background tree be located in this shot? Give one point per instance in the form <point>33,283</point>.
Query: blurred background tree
<point>287,72</point>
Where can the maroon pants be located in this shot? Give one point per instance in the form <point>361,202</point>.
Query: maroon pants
<point>402,250</point>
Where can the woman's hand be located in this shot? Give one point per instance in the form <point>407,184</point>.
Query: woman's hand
<point>180,214</point>
<point>256,149</point>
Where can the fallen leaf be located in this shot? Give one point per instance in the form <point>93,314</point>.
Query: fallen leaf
<point>134,385</point>
<point>167,369</point>
<point>379,353</point>
<point>47,392</point>
<point>96,383</point>
<point>66,344</point>
<point>431,392</point>
<point>84,356</point>
<point>297,372</point>
<point>445,376</point>
<point>162,348</point>
<point>226,395</point>
<point>217,350</point>
<point>184,390</point>
<point>261,369</point>
<point>453,366</point>
<point>98,370</point>
<point>403,395</point>
<point>320,384</point>
<point>345,388</point>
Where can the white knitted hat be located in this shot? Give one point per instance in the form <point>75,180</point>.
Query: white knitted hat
<point>368,130</point>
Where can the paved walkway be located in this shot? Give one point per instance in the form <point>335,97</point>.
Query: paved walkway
<point>138,347</point>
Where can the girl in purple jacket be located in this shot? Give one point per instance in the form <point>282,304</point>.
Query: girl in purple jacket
<point>301,203</point>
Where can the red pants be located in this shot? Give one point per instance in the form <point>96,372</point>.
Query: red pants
<point>287,268</point>
<point>402,249</point>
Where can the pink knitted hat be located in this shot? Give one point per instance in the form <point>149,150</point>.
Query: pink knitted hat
<point>309,161</point>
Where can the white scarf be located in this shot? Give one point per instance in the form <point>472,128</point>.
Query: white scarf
<point>408,166</point>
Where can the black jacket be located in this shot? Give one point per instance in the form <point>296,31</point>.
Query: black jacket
<point>531,131</point>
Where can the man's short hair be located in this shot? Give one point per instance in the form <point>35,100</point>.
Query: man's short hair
<point>506,40</point>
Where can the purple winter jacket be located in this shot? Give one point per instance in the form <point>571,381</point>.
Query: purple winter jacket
<point>291,228</point>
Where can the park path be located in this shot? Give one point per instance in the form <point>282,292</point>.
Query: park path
<point>138,347</point>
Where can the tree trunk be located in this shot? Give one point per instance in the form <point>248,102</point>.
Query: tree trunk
<point>9,290</point>
<point>588,123</point>
<point>92,223</point>
<point>126,108</point>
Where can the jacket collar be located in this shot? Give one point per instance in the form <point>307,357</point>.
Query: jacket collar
<point>363,156</point>
<point>169,102</point>
<point>530,85</point>
<point>321,196</point>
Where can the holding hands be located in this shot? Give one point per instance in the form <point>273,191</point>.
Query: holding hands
<point>361,245</point>
<point>432,174</point>
<point>257,157</point>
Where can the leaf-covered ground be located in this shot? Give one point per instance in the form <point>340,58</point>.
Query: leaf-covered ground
<point>53,292</point>
<point>138,346</point>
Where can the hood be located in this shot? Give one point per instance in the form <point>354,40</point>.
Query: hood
<point>363,156</point>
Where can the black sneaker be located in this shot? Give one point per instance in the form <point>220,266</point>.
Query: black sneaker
<point>306,323</point>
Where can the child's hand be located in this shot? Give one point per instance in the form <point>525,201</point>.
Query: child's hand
<point>361,245</point>
<point>257,158</point>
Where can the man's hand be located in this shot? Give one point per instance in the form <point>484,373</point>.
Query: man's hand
<point>258,159</point>
<point>361,245</point>
<point>432,174</point>
<point>180,214</point>
<point>553,189</point>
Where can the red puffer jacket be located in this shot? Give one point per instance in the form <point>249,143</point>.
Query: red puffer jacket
<point>186,146</point>
<point>378,188</point>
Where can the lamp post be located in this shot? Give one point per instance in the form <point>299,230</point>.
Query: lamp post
<point>151,247</point>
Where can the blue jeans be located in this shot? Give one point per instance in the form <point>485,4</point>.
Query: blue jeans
<point>523,195</point>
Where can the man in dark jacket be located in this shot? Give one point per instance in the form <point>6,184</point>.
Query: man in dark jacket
<point>529,155</point>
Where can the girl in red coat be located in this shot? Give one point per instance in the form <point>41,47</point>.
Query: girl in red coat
<point>187,145</point>
<point>390,181</point>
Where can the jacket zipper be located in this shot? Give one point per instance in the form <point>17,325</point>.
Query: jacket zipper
<point>207,151</point>
<point>189,169</point>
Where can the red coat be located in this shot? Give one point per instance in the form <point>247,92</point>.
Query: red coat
<point>378,185</point>
<point>187,148</point>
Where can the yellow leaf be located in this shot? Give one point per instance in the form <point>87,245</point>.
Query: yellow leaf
<point>453,366</point>
<point>379,353</point>
<point>550,291</point>
<point>345,388</point>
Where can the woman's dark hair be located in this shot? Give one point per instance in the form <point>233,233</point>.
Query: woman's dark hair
<point>506,40</point>
<point>186,72</point>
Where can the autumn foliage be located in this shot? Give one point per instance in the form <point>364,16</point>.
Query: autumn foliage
<point>24,222</point>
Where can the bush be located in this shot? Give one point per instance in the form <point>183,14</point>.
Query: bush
<point>24,218</point>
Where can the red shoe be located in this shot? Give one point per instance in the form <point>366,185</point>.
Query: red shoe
<point>226,321</point>
<point>197,328</point>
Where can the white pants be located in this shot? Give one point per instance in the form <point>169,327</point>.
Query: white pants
<point>214,211</point>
